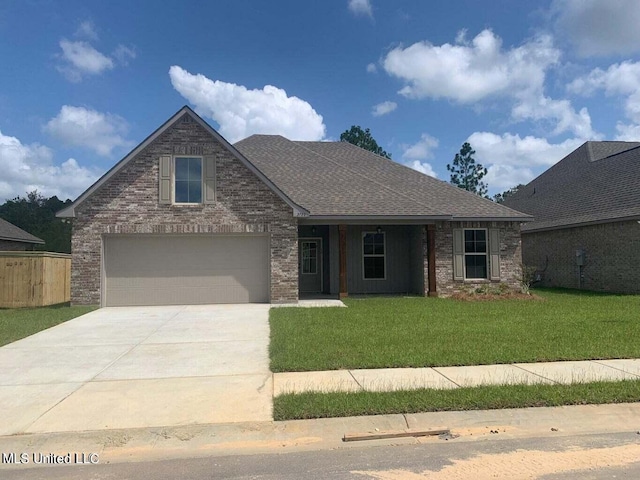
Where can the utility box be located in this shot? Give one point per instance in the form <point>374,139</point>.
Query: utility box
<point>580,258</point>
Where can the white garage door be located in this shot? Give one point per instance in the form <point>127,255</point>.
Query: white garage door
<point>185,269</point>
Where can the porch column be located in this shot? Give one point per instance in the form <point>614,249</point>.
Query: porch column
<point>431,248</point>
<point>342,230</point>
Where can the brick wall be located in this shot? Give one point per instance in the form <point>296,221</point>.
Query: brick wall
<point>611,257</point>
<point>128,203</point>
<point>510,256</point>
<point>9,246</point>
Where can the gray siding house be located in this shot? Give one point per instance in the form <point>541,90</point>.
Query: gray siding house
<point>187,218</point>
<point>13,238</point>
<point>586,232</point>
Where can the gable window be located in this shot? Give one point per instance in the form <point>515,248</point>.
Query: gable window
<point>475,253</point>
<point>188,180</point>
<point>373,255</point>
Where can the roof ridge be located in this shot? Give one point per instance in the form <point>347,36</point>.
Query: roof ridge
<point>366,177</point>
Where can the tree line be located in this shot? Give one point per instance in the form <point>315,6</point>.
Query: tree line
<point>36,214</point>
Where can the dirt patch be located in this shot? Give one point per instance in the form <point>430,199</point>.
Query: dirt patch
<point>520,464</point>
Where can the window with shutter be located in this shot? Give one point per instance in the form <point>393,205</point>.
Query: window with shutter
<point>188,180</point>
<point>476,254</point>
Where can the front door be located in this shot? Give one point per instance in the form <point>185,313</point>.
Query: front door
<point>310,268</point>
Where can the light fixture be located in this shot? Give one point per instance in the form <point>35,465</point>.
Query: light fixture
<point>379,229</point>
<point>313,229</point>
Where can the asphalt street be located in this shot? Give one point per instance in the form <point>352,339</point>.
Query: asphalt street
<point>591,457</point>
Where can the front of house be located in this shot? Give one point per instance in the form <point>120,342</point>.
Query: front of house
<point>187,218</point>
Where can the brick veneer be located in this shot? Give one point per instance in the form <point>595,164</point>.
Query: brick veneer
<point>510,256</point>
<point>612,256</point>
<point>128,204</point>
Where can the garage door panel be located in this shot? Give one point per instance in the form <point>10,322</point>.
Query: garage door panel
<point>174,270</point>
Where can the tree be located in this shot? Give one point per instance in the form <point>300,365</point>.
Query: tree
<point>36,214</point>
<point>466,173</point>
<point>501,197</point>
<point>363,139</point>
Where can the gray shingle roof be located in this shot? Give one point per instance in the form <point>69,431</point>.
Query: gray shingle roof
<point>597,182</point>
<point>339,179</point>
<point>8,231</point>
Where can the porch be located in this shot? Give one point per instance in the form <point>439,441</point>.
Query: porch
<point>335,261</point>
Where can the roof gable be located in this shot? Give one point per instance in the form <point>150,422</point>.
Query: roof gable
<point>70,210</point>
<point>597,182</point>
<point>8,231</point>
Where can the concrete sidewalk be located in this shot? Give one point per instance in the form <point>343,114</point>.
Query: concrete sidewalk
<point>389,379</point>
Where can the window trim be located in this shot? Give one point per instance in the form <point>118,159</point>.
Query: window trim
<point>486,254</point>
<point>384,255</point>
<point>318,243</point>
<point>173,180</point>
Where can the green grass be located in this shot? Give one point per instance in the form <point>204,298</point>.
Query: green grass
<point>419,332</point>
<point>322,405</point>
<point>17,323</point>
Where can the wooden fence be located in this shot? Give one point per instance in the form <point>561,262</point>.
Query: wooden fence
<point>34,279</point>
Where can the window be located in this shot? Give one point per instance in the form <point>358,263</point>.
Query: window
<point>309,257</point>
<point>188,180</point>
<point>373,256</point>
<point>475,253</point>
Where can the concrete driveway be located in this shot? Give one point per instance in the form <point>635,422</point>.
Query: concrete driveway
<point>139,367</point>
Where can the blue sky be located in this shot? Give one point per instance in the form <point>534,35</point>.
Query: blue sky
<point>524,82</point>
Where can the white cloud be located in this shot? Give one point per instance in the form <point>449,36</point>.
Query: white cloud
<point>560,112</point>
<point>361,7</point>
<point>241,112</point>
<point>619,79</point>
<point>123,54</point>
<point>80,58</point>
<point>371,68</point>
<point>468,72</point>
<point>30,167</point>
<point>422,149</point>
<point>628,132</point>
<point>599,28</point>
<point>383,108</point>
<point>87,30</point>
<point>511,159</point>
<point>84,127</point>
<point>422,167</point>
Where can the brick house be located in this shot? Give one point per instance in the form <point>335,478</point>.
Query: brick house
<point>187,217</point>
<point>14,239</point>
<point>586,232</point>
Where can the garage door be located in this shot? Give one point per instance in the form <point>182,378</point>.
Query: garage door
<point>185,269</point>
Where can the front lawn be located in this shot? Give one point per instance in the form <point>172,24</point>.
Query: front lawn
<point>420,332</point>
<point>17,323</point>
<point>342,404</point>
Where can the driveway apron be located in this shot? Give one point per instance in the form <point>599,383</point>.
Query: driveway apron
<point>131,367</point>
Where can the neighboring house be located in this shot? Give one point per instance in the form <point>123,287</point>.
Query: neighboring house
<point>188,218</point>
<point>586,232</point>
<point>13,238</point>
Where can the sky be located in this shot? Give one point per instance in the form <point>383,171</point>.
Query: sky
<point>524,82</point>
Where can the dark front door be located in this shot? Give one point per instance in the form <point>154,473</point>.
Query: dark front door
<point>310,265</point>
